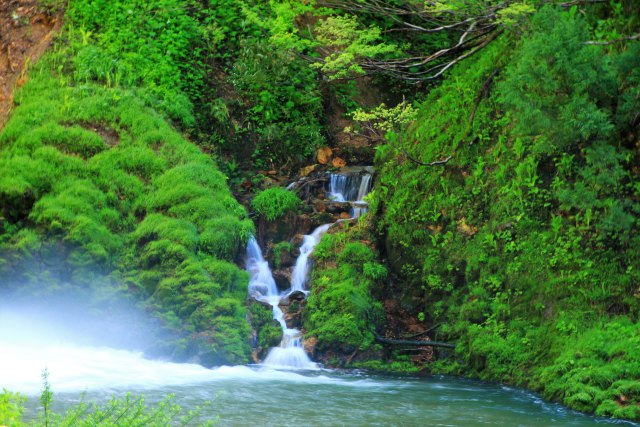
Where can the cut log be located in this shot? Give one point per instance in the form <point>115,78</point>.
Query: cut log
<point>413,342</point>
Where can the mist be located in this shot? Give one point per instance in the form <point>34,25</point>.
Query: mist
<point>83,346</point>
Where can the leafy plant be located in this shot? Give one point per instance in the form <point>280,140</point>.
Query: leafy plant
<point>273,203</point>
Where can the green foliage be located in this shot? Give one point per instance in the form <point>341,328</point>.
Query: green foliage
<point>348,41</point>
<point>340,311</point>
<point>394,367</point>
<point>269,331</point>
<point>97,189</point>
<point>556,84</point>
<point>11,408</point>
<point>284,104</point>
<point>129,411</point>
<point>124,411</point>
<point>156,45</point>
<point>523,245</point>
<point>274,203</point>
<point>46,398</point>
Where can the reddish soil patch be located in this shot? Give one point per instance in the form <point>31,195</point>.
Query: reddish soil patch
<point>402,325</point>
<point>26,30</point>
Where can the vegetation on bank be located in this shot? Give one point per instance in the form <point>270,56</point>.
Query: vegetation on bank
<point>524,244</point>
<point>117,412</point>
<point>102,197</point>
<point>341,311</point>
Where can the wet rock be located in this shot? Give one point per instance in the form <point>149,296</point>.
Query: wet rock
<point>282,278</point>
<point>309,345</point>
<point>297,296</point>
<point>337,207</point>
<point>319,206</point>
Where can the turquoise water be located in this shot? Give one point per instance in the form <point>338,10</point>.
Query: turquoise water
<point>255,396</point>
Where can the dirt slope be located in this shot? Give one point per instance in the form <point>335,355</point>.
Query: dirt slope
<point>26,30</point>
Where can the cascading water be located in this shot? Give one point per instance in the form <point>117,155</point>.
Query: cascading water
<point>352,188</point>
<point>262,287</point>
<point>301,268</point>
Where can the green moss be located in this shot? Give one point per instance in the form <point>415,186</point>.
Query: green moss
<point>97,186</point>
<point>523,244</point>
<point>340,311</point>
<point>273,203</point>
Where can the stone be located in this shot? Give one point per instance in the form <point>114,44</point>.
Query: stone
<point>307,170</point>
<point>466,229</point>
<point>324,155</point>
<point>339,162</point>
<point>309,345</point>
<point>320,207</point>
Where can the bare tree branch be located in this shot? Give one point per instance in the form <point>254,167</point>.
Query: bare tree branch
<point>576,2</point>
<point>434,163</point>
<point>609,42</point>
<point>412,342</point>
<point>470,28</point>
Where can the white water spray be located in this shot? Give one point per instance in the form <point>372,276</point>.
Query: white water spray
<point>301,268</point>
<point>290,353</point>
<point>350,188</point>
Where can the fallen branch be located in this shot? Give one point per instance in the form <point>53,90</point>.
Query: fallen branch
<point>295,188</point>
<point>434,163</point>
<point>484,93</point>
<point>419,334</point>
<point>413,342</point>
<point>609,42</point>
<point>576,2</point>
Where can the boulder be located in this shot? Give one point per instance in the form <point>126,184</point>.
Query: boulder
<point>339,162</point>
<point>324,155</point>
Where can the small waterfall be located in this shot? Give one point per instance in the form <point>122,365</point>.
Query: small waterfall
<point>301,268</point>
<point>345,187</point>
<point>262,287</point>
<point>261,284</point>
<point>350,187</point>
<point>338,187</point>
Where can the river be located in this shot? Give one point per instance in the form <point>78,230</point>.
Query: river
<point>261,396</point>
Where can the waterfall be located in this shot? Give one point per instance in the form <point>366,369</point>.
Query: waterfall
<point>301,268</point>
<point>345,187</point>
<point>262,287</point>
<point>350,187</point>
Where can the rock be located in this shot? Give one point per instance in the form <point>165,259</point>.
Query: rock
<point>309,345</point>
<point>307,170</point>
<point>466,229</point>
<point>344,215</point>
<point>319,206</point>
<point>338,162</point>
<point>297,296</point>
<point>282,278</point>
<point>324,155</point>
<point>293,298</point>
<point>337,207</point>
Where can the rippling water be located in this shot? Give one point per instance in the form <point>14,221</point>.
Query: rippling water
<point>259,396</point>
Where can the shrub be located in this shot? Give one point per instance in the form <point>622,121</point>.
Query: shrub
<point>274,203</point>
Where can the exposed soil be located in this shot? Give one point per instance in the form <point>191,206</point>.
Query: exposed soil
<point>26,30</point>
